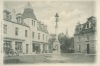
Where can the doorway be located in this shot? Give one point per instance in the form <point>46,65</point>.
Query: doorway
<point>33,49</point>
<point>87,48</point>
<point>27,48</point>
<point>79,48</point>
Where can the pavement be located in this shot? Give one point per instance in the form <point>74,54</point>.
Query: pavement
<point>45,58</point>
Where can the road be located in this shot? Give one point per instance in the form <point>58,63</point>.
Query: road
<point>43,58</point>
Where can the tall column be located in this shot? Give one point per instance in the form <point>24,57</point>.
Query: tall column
<point>56,44</point>
<point>56,27</point>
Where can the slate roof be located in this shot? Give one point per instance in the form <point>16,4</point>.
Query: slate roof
<point>28,12</point>
<point>81,28</point>
<point>6,11</point>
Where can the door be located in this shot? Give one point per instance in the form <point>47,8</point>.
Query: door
<point>33,47</point>
<point>87,48</point>
<point>79,48</point>
<point>26,48</point>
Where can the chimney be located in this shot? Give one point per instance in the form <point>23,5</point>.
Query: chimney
<point>13,15</point>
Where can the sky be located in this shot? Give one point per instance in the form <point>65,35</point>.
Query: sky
<point>70,13</point>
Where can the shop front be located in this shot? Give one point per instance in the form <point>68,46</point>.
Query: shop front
<point>7,47</point>
<point>36,48</point>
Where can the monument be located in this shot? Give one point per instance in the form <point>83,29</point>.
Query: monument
<point>56,55</point>
<point>56,44</point>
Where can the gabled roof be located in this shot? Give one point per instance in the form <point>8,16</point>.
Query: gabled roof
<point>84,29</point>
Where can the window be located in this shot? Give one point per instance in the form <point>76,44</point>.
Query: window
<point>7,16</point>
<point>33,35</point>
<point>79,48</point>
<point>7,45</point>
<point>10,17</point>
<point>18,46</point>
<point>87,25</point>
<point>5,29</point>
<point>16,31</point>
<point>43,36</point>
<point>25,33</point>
<point>32,22</point>
<point>46,38</point>
<point>79,38</point>
<point>38,35</point>
<point>87,37</point>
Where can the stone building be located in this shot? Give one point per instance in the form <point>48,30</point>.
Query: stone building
<point>85,36</point>
<point>23,32</point>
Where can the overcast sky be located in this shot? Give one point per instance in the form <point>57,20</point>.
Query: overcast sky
<point>70,12</point>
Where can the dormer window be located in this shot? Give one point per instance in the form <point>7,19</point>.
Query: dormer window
<point>6,15</point>
<point>87,25</point>
<point>19,18</point>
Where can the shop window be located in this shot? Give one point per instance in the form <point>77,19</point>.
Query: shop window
<point>18,46</point>
<point>7,46</point>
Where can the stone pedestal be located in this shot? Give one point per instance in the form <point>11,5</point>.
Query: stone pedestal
<point>56,46</point>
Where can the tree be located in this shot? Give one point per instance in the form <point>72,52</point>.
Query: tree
<point>51,41</point>
<point>65,42</point>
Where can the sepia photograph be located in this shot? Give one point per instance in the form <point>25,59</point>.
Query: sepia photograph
<point>36,32</point>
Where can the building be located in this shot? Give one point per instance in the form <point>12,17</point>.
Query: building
<point>23,32</point>
<point>85,36</point>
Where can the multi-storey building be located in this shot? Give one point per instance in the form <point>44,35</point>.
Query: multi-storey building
<point>84,37</point>
<point>23,32</point>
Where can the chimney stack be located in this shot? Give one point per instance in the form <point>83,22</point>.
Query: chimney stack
<point>13,15</point>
